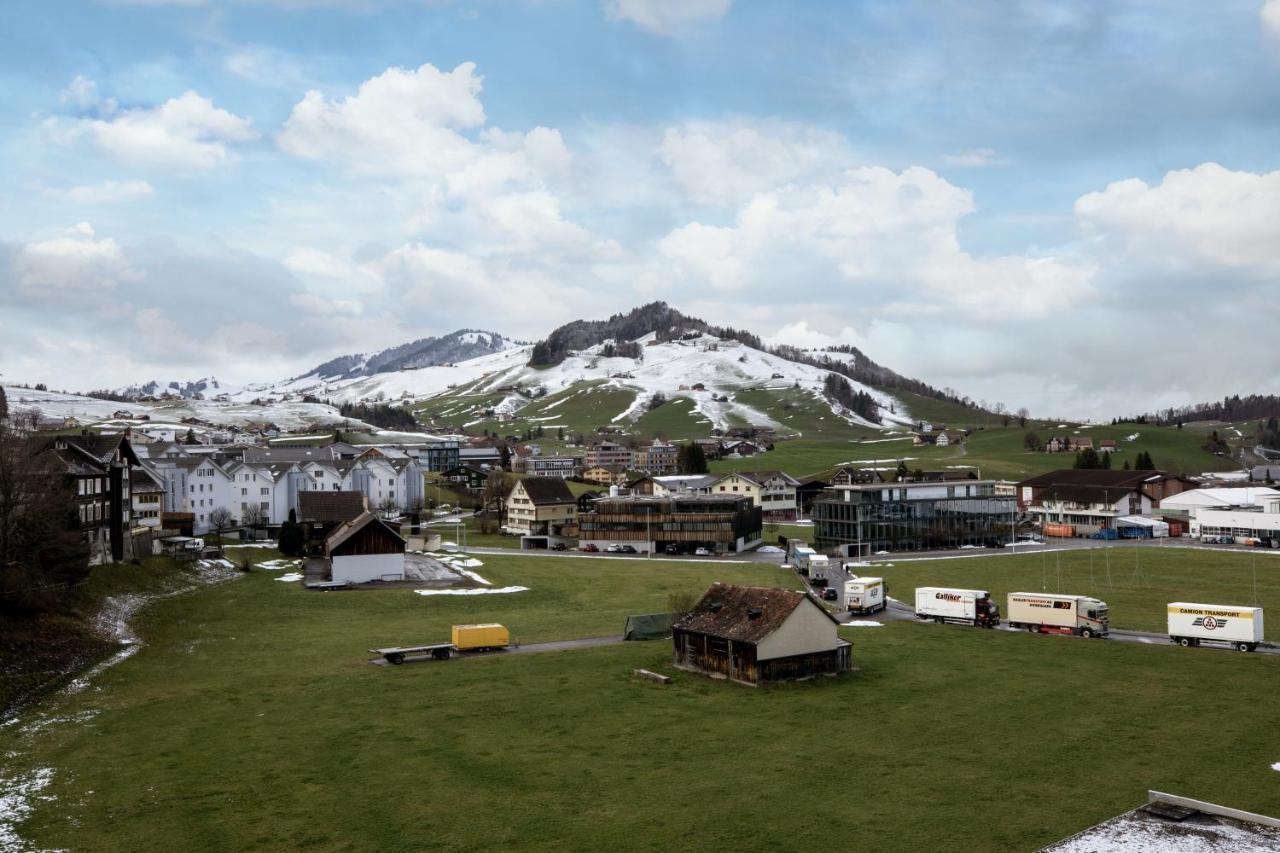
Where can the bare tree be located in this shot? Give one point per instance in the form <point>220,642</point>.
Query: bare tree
<point>252,517</point>
<point>220,520</point>
<point>387,507</point>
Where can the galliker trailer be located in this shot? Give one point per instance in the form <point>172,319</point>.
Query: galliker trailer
<point>1043,613</point>
<point>864,595</point>
<point>962,606</point>
<point>1193,624</point>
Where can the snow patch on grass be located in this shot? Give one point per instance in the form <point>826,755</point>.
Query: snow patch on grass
<point>488,591</point>
<point>291,577</point>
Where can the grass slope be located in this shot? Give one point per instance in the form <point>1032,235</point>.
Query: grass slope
<point>251,721</point>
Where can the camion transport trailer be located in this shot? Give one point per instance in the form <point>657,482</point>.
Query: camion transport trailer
<point>1193,624</point>
<point>962,606</point>
<point>819,570</point>
<point>1043,613</point>
<point>864,595</point>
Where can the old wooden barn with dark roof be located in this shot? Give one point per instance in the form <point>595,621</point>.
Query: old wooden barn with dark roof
<point>757,635</point>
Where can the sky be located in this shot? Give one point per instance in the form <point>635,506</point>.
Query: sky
<point>1069,206</point>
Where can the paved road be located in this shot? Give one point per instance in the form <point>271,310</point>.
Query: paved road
<point>526,648</point>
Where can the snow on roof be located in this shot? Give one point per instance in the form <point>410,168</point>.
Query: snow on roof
<point>1219,497</point>
<point>1171,824</point>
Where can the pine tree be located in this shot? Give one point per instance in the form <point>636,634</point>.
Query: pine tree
<point>691,459</point>
<point>903,472</point>
<point>1106,461</point>
<point>4,405</point>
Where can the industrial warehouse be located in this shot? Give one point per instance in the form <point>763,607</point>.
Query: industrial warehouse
<point>676,523</point>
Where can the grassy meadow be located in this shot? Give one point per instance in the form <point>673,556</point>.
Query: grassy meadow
<point>252,720</point>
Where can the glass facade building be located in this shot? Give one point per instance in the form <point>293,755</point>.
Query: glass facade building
<point>912,517</point>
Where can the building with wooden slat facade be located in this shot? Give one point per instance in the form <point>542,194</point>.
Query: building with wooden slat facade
<point>757,635</point>
<point>365,549</point>
<point>719,523</point>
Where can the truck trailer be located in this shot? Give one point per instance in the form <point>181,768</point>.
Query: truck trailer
<point>1042,613</point>
<point>819,570</point>
<point>864,595</point>
<point>1193,624</point>
<point>961,606</point>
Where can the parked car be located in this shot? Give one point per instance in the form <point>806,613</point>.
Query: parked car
<point>830,594</point>
<point>590,548</point>
<point>613,549</point>
<point>672,548</point>
<point>559,546</point>
<point>702,552</point>
<point>627,549</point>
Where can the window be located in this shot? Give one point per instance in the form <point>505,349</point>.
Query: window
<point>244,491</point>
<point>193,488</point>
<point>266,492</point>
<point>264,506</point>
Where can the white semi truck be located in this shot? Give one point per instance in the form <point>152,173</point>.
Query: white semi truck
<point>1193,624</point>
<point>1043,613</point>
<point>819,569</point>
<point>962,606</point>
<point>864,595</point>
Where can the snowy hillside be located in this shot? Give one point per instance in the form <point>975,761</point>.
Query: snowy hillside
<point>456,346</point>
<point>207,388</point>
<point>672,368</point>
<point>288,415</point>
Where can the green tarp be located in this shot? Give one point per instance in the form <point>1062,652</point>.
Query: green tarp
<point>649,626</point>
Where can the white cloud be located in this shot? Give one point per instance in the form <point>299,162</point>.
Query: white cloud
<point>187,132</point>
<point>401,122</point>
<point>725,162</point>
<point>975,158</point>
<point>75,266</point>
<point>107,192</point>
<point>801,334</point>
<point>667,17</point>
<point>1270,15</point>
<point>82,92</point>
<point>1209,217</point>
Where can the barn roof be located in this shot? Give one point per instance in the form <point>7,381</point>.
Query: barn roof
<point>744,613</point>
<point>350,528</point>
<point>1093,477</point>
<point>326,507</point>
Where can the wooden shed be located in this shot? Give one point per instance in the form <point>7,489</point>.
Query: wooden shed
<point>756,635</point>
<point>365,549</point>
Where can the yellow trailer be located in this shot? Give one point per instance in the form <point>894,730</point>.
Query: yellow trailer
<point>486,636</point>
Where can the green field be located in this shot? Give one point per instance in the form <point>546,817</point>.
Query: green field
<point>994,452</point>
<point>1137,582</point>
<point>251,720</point>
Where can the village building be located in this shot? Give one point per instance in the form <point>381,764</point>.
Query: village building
<point>540,506</point>
<point>564,467</point>
<point>864,519</point>
<point>100,469</point>
<point>657,458</point>
<point>365,549</point>
<point>320,513</point>
<point>773,491</point>
<point>467,477</point>
<point>759,635</point>
<point>605,475</point>
<point>722,524</point>
<point>607,454</point>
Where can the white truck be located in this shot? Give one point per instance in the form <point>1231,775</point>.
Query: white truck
<point>962,606</point>
<point>864,595</point>
<point>819,570</point>
<point>1193,624</point>
<point>1043,613</point>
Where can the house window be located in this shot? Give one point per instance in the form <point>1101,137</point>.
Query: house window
<point>244,491</point>
<point>266,492</point>
<point>264,506</point>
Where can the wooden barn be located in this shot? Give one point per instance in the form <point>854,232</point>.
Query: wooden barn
<point>365,549</point>
<point>757,635</point>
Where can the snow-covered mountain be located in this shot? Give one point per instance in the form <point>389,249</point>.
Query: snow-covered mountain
<point>457,346</point>
<point>203,388</point>
<point>705,368</point>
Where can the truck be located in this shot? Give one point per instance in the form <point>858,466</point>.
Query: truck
<point>466,638</point>
<point>1193,624</point>
<point>961,606</point>
<point>864,595</point>
<point>1043,613</point>
<point>800,557</point>
<point>819,570</point>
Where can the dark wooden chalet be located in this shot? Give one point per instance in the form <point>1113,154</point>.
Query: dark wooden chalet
<point>757,635</point>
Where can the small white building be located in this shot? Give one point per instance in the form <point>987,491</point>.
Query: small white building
<point>365,549</point>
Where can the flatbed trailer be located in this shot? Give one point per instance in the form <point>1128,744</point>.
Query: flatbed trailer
<point>396,654</point>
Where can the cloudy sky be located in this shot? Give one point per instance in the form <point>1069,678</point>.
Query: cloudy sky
<point>1071,206</point>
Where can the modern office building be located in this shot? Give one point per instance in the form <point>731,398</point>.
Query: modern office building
<point>719,523</point>
<point>864,519</point>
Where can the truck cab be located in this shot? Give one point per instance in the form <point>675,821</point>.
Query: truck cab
<point>1096,615</point>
